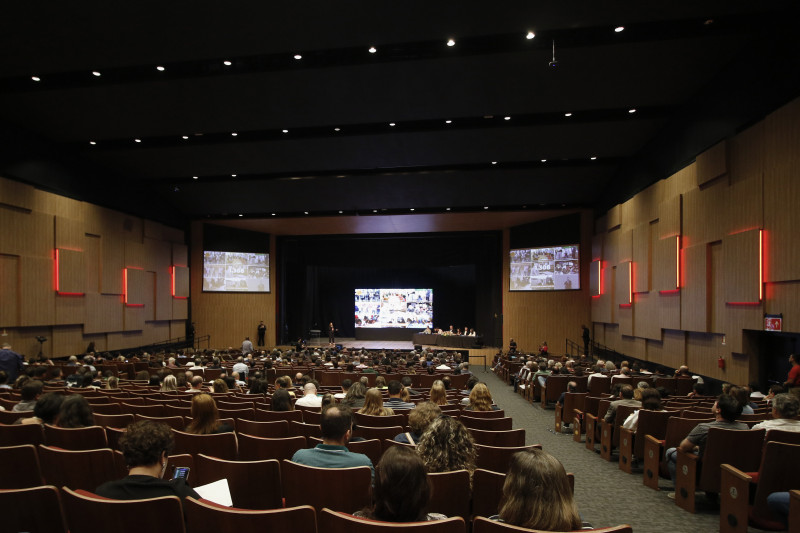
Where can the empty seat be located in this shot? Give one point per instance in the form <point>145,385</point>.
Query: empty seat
<point>275,429</point>
<point>450,494</point>
<point>222,445</point>
<point>88,513</point>
<point>486,424</point>
<point>345,489</point>
<point>484,525</point>
<point>206,517</point>
<point>23,510</point>
<point>77,469</point>
<point>245,494</point>
<point>14,435</point>
<point>256,448</point>
<point>336,522</point>
<point>20,467</point>
<point>496,458</point>
<point>513,437</point>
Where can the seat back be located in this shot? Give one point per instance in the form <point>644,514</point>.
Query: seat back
<point>222,445</point>
<point>450,493</point>
<point>22,510</point>
<point>174,422</point>
<point>779,472</point>
<point>264,494</point>
<point>484,525</point>
<point>114,421</point>
<point>513,437</point>
<point>146,410</point>
<point>300,429</point>
<point>88,513</point>
<point>105,409</point>
<point>741,449</point>
<point>88,438</point>
<point>487,490</point>
<point>487,424</point>
<point>380,421</point>
<point>599,385</point>
<point>262,415</point>
<point>787,437</point>
<point>649,423</point>
<point>496,458</point>
<point>555,386</point>
<point>380,433</point>
<point>345,489</point>
<point>256,448</point>
<point>18,434</point>
<point>493,413</point>
<point>273,430</point>
<point>77,469</point>
<point>20,467</point>
<point>236,414</point>
<point>206,517</point>
<point>333,522</point>
<point>572,401</point>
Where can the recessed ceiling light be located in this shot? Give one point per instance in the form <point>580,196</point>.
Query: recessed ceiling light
<point>273,214</point>
<point>372,50</point>
<point>240,214</point>
<point>632,110</point>
<point>336,129</point>
<point>530,35</point>
<point>285,131</point>
<point>411,209</point>
<point>137,140</point>
<point>95,73</point>
<point>619,28</point>
<point>194,177</point>
<point>494,162</point>
<point>340,211</point>
<point>451,42</point>
<point>544,160</point>
<point>448,121</point>
<point>306,212</point>
<point>298,56</point>
<point>36,78</point>
<point>160,68</point>
<point>233,175</point>
<point>485,207</point>
<point>593,157</point>
<point>92,143</point>
<point>391,124</point>
<point>227,63</point>
<point>374,210</point>
<point>567,114</point>
<point>234,134</point>
<point>448,209</point>
<point>506,118</point>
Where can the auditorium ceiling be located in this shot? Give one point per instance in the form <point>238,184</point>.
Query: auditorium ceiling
<point>182,110</point>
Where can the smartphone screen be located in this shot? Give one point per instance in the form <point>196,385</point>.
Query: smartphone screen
<point>181,472</point>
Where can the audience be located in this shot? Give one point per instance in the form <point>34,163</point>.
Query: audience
<point>396,396</point>
<point>418,421</point>
<point>205,416</point>
<point>785,408</point>
<point>480,399</point>
<point>30,393</point>
<point>625,398</point>
<point>281,401</point>
<point>447,446</point>
<point>373,404</point>
<point>310,398</point>
<point>438,394</point>
<point>46,410</point>
<point>355,396</point>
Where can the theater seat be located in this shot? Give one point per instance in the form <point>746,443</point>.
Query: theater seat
<point>206,517</point>
<point>484,525</point>
<point>22,510</point>
<point>335,522</point>
<point>89,513</point>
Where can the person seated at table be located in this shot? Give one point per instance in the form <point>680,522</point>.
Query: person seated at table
<point>537,494</point>
<point>418,421</point>
<point>480,399</point>
<point>205,416</point>
<point>373,404</point>
<point>145,445</point>
<point>402,489</point>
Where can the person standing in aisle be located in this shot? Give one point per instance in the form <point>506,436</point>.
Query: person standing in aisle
<point>262,332</point>
<point>331,334</point>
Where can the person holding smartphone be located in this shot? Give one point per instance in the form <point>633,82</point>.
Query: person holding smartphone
<point>146,446</point>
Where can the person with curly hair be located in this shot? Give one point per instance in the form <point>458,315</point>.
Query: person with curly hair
<point>480,399</point>
<point>145,445</point>
<point>205,416</point>
<point>402,489</point>
<point>373,404</point>
<point>75,412</point>
<point>537,494</point>
<point>419,419</point>
<point>447,445</point>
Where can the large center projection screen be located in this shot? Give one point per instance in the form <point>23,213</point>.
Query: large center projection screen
<point>394,308</point>
<point>235,272</point>
<point>553,268</point>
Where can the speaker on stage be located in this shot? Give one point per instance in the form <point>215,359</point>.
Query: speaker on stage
<point>418,347</point>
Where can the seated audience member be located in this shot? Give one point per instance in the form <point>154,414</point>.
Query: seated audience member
<point>328,400</point>
<point>773,391</point>
<point>651,400</point>
<point>380,382</point>
<point>395,400</point>
<point>346,384</point>
<point>402,489</point>
<point>75,412</point>
<point>46,409</point>
<point>281,401</point>
<point>336,424</point>
<point>310,398</point>
<point>571,387</point>
<point>4,380</point>
<point>112,383</point>
<point>742,396</point>
<point>625,398</point>
<point>447,446</point>
<point>284,382</point>
<point>541,374</point>
<point>537,494</point>
<point>480,399</point>
<point>218,386</point>
<point>258,387</point>
<point>355,396</point>
<point>726,410</point>
<point>145,446</point>
<point>373,404</point>
<point>438,394</point>
<point>778,503</point>
<point>205,416</point>
<point>785,408</point>
<point>170,384</point>
<point>30,393</point>
<point>418,421</point>
<point>195,385</point>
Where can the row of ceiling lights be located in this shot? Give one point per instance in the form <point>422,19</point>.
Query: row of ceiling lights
<point>410,210</point>
<point>372,50</point>
<point>338,129</point>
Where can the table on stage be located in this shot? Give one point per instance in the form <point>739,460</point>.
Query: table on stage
<point>447,341</point>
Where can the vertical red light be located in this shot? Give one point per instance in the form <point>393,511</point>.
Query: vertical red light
<point>630,282</point>
<point>760,265</point>
<point>172,273</point>
<point>125,285</point>
<point>56,270</point>
<point>677,261</point>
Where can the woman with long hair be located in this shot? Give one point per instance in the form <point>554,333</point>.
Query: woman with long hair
<point>356,396</point>
<point>75,412</point>
<point>170,384</point>
<point>218,386</point>
<point>205,416</point>
<point>537,495</point>
<point>373,404</point>
<point>112,383</point>
<point>480,399</point>
<point>402,489</point>
<point>447,445</point>
<point>438,394</point>
<point>281,401</point>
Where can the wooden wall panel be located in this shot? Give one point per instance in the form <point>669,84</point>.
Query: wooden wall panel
<point>641,254</point>
<point>69,234</point>
<point>695,302</point>
<point>37,301</point>
<point>126,339</point>
<point>180,310</point>
<point>9,290</point>
<point>92,257</point>
<point>614,217</point>
<point>26,234</point>
<point>135,255</point>
<point>70,339</point>
<point>745,205</point>
<point>669,307</point>
<point>741,267</point>
<point>16,194</point>
<point>681,182</point>
<point>113,262</point>
<point>71,271</point>
<point>646,323</point>
<point>59,206</point>
<point>181,282</point>
<point>622,283</point>
<point>784,298</point>
<point>133,318</point>
<point>712,163</point>
<point>631,346</point>
<point>702,352</point>
<point>105,315</point>
<point>624,246</point>
<point>149,296</point>
<point>180,254</point>
<point>177,329</point>
<point>70,309</point>
<point>136,287</point>
<point>705,213</point>
<point>601,224</point>
<point>782,193</point>
<point>665,264</point>
<point>646,204</point>
<point>670,350</point>
<point>669,217</point>
<point>746,154</point>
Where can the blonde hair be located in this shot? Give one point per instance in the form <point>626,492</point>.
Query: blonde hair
<point>373,404</point>
<point>219,386</point>
<point>537,494</point>
<point>480,399</point>
<point>438,393</point>
<point>170,383</point>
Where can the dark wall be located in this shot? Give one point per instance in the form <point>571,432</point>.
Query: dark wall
<point>319,274</point>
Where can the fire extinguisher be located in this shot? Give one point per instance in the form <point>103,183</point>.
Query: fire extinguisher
<point>721,363</point>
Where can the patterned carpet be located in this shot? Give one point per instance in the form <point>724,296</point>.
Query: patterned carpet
<point>606,495</point>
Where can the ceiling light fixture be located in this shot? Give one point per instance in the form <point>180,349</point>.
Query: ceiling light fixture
<point>160,68</point>
<point>448,209</point>
<point>530,35</point>
<point>227,63</point>
<point>92,143</point>
<point>306,212</point>
<point>451,42</point>
<point>337,129</point>
<point>567,114</point>
<point>298,56</point>
<point>411,209</point>
<point>184,137</point>
<point>619,29</point>
<point>234,134</point>
<point>285,131</point>
<point>340,211</point>
<point>240,215</point>
<point>96,74</point>
<point>485,207</point>
<point>194,177</point>
<point>137,140</point>
<point>506,118</point>
<point>233,175</point>
<point>544,160</point>
<point>632,110</point>
<point>593,157</point>
<point>273,214</point>
<point>36,78</point>
<point>448,121</point>
<point>392,124</point>
<point>372,50</point>
<point>374,210</point>
<point>494,162</point>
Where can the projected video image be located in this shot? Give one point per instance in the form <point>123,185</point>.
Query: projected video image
<point>394,308</point>
<point>554,268</point>
<point>235,272</point>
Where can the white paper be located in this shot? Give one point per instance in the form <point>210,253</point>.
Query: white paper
<point>217,492</point>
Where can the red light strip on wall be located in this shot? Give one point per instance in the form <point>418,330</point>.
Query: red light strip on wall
<point>172,273</point>
<point>760,265</point>
<point>125,287</point>
<point>630,286</point>
<point>58,280</point>
<point>677,262</point>
<point>56,269</point>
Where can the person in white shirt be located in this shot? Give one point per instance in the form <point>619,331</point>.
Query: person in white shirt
<point>247,346</point>
<point>785,408</point>
<point>241,367</point>
<point>310,398</point>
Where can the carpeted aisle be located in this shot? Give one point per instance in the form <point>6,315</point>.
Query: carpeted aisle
<point>606,496</point>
